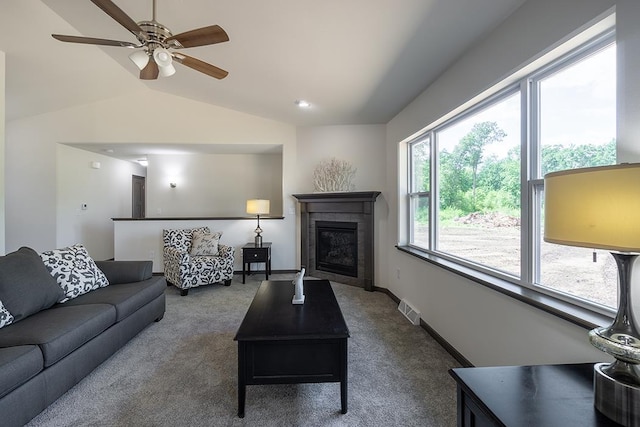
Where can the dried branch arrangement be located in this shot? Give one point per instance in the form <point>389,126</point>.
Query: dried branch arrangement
<point>334,175</point>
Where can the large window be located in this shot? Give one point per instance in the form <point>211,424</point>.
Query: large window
<point>476,185</point>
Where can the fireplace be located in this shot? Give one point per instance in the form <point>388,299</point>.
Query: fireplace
<point>344,223</point>
<point>337,247</point>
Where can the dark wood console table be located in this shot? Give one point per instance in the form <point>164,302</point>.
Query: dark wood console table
<point>283,343</point>
<point>531,396</point>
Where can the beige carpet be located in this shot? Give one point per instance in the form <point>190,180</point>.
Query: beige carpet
<point>182,371</point>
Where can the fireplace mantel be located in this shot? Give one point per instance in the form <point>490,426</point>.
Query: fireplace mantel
<point>356,206</point>
<point>346,196</point>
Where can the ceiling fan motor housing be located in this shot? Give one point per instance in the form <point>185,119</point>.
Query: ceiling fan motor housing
<point>156,33</point>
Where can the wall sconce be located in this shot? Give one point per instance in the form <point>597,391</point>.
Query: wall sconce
<point>173,184</point>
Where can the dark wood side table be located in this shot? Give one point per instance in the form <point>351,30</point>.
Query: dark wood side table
<point>283,343</point>
<point>514,396</point>
<point>252,253</point>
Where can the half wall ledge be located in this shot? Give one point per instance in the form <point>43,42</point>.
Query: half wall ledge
<point>348,206</point>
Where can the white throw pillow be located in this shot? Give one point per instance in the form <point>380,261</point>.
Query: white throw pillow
<point>6,318</point>
<point>74,270</point>
<point>205,244</point>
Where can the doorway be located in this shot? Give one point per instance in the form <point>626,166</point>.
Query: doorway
<point>138,201</point>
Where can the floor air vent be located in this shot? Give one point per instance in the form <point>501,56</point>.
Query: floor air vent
<point>409,312</point>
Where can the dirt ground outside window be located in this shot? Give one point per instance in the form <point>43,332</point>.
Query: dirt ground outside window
<point>496,243</point>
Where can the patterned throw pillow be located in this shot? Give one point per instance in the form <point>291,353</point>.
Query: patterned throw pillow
<point>74,270</point>
<point>5,317</point>
<point>205,244</point>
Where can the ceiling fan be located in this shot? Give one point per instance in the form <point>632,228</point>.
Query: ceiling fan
<point>156,40</point>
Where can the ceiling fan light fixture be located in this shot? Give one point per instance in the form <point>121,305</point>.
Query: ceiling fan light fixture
<point>154,39</point>
<point>140,58</point>
<point>163,58</point>
<point>167,70</point>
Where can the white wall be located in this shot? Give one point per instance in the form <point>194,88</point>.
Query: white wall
<point>487,327</point>
<point>628,93</point>
<point>364,147</point>
<point>139,117</point>
<point>106,192</point>
<point>135,240</point>
<point>212,184</point>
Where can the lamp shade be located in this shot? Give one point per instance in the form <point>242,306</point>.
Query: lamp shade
<point>257,206</point>
<point>594,207</point>
<point>140,58</point>
<point>164,60</point>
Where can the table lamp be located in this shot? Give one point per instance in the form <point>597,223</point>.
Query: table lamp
<point>599,208</point>
<point>258,207</point>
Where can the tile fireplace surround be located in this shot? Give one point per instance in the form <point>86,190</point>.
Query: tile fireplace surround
<point>353,206</point>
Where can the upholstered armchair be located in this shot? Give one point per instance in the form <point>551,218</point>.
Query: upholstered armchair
<point>194,257</point>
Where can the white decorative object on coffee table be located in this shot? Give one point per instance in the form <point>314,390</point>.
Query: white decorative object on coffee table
<point>298,282</point>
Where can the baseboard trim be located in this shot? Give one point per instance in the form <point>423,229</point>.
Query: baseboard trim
<point>239,272</point>
<point>434,334</point>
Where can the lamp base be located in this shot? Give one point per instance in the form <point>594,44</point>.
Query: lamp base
<point>616,399</point>
<point>258,241</point>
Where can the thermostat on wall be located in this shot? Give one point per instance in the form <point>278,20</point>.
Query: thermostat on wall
<point>95,165</point>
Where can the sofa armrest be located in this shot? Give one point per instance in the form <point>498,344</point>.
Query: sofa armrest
<point>126,271</point>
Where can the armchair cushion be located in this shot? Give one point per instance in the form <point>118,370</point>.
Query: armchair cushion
<point>181,238</point>
<point>205,244</point>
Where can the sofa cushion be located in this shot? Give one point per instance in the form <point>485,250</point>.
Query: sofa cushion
<point>59,330</point>
<point>181,238</point>
<point>6,318</point>
<point>126,271</point>
<point>74,270</point>
<point>26,287</point>
<point>18,365</point>
<point>205,244</point>
<point>126,297</point>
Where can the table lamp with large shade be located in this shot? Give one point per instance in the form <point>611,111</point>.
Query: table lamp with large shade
<point>599,208</point>
<point>258,207</point>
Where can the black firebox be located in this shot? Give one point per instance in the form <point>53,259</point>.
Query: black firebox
<point>337,247</point>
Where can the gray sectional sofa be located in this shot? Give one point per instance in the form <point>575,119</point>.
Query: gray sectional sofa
<point>45,353</point>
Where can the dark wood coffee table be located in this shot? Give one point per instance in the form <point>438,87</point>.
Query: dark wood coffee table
<point>282,343</point>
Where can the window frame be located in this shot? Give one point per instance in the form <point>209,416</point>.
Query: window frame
<point>573,308</point>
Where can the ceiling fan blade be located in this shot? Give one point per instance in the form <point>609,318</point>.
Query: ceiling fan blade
<point>122,18</point>
<point>151,71</point>
<point>199,37</point>
<point>92,40</point>
<point>201,66</point>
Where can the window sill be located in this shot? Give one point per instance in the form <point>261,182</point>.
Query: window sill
<point>577,315</point>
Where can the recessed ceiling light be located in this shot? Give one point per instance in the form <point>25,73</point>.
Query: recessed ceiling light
<point>302,103</point>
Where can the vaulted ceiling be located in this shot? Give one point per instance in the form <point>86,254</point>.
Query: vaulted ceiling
<point>355,61</point>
